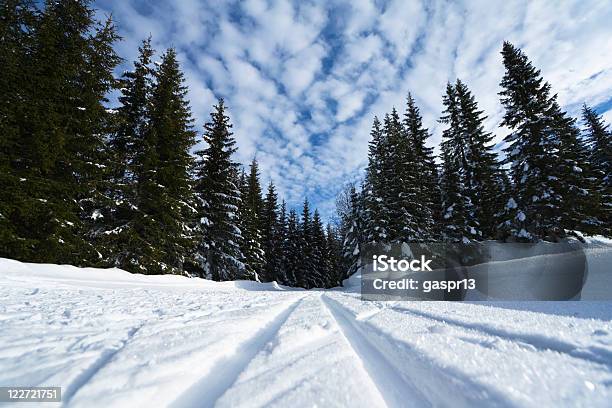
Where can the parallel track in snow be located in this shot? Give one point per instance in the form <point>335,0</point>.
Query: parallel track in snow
<point>405,377</point>
<point>539,342</point>
<point>209,388</point>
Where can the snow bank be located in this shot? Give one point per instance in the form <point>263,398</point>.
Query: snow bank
<point>113,277</point>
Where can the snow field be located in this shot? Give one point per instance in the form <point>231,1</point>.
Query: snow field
<point>109,338</point>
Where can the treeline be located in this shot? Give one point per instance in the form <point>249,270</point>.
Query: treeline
<point>87,185</point>
<point>554,179</point>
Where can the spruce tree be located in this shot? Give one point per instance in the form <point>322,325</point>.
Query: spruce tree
<point>217,187</point>
<point>282,236</point>
<point>352,222</point>
<point>598,137</point>
<point>376,214</point>
<point>401,191</point>
<point>251,212</point>
<point>306,263</point>
<point>481,166</point>
<point>271,240</point>
<point>577,181</point>
<point>460,223</point>
<point>129,149</point>
<point>60,158</point>
<point>319,272</point>
<point>293,251</point>
<point>165,191</point>
<point>425,183</point>
<point>333,257</point>
<point>18,19</point>
<point>542,153</point>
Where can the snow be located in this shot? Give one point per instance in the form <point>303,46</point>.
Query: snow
<point>110,338</point>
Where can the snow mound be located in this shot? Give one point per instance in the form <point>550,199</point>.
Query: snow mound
<point>114,277</point>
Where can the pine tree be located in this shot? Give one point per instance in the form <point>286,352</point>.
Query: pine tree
<point>598,137</point>
<point>425,183</point>
<point>283,245</point>
<point>481,166</point>
<point>130,149</point>
<point>271,238</point>
<point>293,251</point>
<point>132,116</point>
<point>165,191</point>
<point>333,257</point>
<point>577,181</point>
<point>251,208</point>
<point>401,191</point>
<point>319,272</point>
<point>460,224</point>
<point>217,187</point>
<point>540,150</point>
<point>306,263</point>
<point>18,19</point>
<point>62,123</point>
<point>376,213</point>
<point>352,221</point>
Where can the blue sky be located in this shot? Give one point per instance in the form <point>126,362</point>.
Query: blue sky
<point>304,79</point>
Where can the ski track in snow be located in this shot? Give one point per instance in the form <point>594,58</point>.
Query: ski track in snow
<point>540,342</point>
<point>207,390</point>
<point>109,338</point>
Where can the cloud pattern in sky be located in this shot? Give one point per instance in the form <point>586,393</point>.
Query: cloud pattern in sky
<point>304,79</point>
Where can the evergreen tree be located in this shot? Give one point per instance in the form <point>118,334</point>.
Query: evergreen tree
<point>306,263</point>
<point>217,187</point>
<point>18,204</point>
<point>460,223</point>
<point>283,245</point>
<point>377,214</point>
<point>542,150</point>
<point>271,238</point>
<point>60,124</point>
<point>598,137</point>
<point>251,213</point>
<point>293,251</point>
<point>319,272</point>
<point>577,182</point>
<point>165,191</point>
<point>333,257</point>
<point>481,166</point>
<point>352,221</point>
<point>425,183</point>
<point>130,150</point>
<point>401,192</point>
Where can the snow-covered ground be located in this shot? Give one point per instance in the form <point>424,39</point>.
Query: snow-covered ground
<point>110,338</point>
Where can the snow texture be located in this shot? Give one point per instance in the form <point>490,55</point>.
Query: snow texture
<point>110,338</point>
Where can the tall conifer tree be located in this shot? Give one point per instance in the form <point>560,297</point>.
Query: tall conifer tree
<point>271,240</point>
<point>598,137</point>
<point>129,151</point>
<point>165,191</point>
<point>62,120</point>
<point>251,213</point>
<point>217,187</point>
<point>377,215</point>
<point>460,223</point>
<point>542,150</point>
<point>427,203</point>
<point>293,251</point>
<point>481,166</point>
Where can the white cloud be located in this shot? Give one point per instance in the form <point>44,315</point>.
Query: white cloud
<point>283,66</point>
